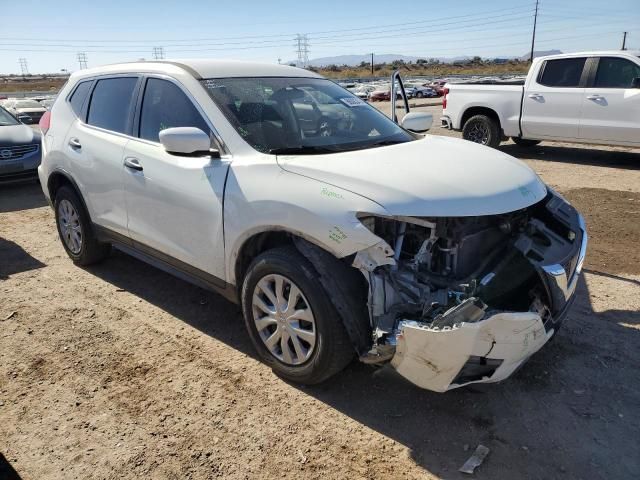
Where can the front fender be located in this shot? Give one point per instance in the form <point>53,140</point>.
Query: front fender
<point>266,198</point>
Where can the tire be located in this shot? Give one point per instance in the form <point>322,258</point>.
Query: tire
<point>419,95</point>
<point>523,142</point>
<point>331,349</point>
<point>483,130</point>
<point>75,229</point>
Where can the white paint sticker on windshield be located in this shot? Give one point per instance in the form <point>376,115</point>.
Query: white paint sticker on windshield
<point>352,102</point>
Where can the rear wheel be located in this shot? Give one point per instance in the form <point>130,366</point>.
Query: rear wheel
<point>483,130</point>
<point>291,320</point>
<point>419,95</point>
<point>524,142</point>
<point>75,229</point>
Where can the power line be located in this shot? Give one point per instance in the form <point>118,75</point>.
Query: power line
<point>82,60</point>
<point>23,66</point>
<point>158,53</point>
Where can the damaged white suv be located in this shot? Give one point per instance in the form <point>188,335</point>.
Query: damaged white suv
<point>339,231</point>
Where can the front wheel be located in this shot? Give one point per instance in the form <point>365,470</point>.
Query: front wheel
<point>419,95</point>
<point>290,318</point>
<point>483,130</point>
<point>524,142</point>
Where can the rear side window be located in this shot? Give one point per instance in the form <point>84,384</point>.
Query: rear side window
<point>564,72</point>
<point>78,97</point>
<point>165,105</point>
<point>616,73</point>
<point>111,103</point>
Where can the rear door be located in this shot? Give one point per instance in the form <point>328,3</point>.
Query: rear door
<point>552,102</point>
<point>611,109</point>
<point>95,144</point>
<point>174,202</point>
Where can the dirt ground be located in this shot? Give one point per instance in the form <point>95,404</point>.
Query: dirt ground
<point>122,371</point>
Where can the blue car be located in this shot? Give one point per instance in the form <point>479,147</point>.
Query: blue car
<point>20,151</point>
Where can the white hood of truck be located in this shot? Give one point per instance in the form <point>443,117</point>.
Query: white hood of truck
<point>435,176</point>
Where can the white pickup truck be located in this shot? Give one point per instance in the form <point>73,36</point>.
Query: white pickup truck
<point>591,97</point>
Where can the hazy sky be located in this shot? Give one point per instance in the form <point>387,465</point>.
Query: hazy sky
<point>50,34</point>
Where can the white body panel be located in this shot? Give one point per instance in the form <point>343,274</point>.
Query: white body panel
<point>539,112</point>
<point>611,114</point>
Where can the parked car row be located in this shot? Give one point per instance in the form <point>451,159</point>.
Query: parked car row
<point>28,110</point>
<point>381,91</point>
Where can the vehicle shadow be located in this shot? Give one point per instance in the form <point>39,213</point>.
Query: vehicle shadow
<point>21,197</point>
<point>587,155</point>
<point>13,259</point>
<point>555,417</point>
<point>7,472</point>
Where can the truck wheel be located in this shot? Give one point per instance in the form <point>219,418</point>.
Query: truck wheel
<point>75,229</point>
<point>483,130</point>
<point>290,318</point>
<point>523,142</point>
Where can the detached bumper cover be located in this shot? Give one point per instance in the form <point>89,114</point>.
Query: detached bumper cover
<point>485,351</point>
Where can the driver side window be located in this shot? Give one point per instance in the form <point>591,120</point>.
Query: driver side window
<point>165,105</point>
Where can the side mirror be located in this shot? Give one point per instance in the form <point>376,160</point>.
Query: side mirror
<point>418,122</point>
<point>635,83</point>
<point>185,140</point>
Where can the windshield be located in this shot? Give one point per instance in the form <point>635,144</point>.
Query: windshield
<point>301,115</point>
<point>6,118</point>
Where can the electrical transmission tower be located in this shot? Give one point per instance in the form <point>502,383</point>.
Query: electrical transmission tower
<point>302,49</point>
<point>82,60</point>
<point>23,66</point>
<point>158,53</point>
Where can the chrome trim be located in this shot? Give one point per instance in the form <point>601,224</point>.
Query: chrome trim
<point>557,272</point>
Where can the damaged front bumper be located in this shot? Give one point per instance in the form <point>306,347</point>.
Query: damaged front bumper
<point>489,350</point>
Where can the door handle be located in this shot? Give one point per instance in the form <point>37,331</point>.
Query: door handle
<point>75,143</point>
<point>594,97</point>
<point>132,163</point>
<point>535,96</point>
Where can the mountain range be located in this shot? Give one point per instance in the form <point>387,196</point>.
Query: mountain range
<point>354,60</point>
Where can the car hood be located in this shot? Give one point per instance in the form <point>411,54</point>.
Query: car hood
<point>18,135</point>
<point>434,176</point>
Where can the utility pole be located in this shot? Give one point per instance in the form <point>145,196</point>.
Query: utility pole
<point>158,53</point>
<point>533,38</point>
<point>82,60</point>
<point>372,64</point>
<point>624,41</point>
<point>23,66</point>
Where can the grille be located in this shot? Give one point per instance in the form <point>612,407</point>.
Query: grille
<point>14,152</point>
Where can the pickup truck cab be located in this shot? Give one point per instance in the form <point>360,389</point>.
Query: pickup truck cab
<point>591,97</point>
<point>340,232</point>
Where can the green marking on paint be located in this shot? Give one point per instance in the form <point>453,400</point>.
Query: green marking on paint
<point>329,193</point>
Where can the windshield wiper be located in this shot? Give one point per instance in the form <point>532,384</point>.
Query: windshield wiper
<point>383,143</point>
<point>301,150</point>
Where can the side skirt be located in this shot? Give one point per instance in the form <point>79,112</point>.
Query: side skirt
<point>168,264</point>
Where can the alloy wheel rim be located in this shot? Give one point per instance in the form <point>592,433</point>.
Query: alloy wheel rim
<point>284,320</point>
<point>70,227</point>
<point>479,133</point>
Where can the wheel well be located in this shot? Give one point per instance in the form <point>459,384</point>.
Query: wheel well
<point>57,180</point>
<point>470,112</point>
<point>254,246</point>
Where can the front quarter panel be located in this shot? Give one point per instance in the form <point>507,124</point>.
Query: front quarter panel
<point>260,196</point>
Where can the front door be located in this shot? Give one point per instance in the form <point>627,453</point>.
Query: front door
<point>174,203</point>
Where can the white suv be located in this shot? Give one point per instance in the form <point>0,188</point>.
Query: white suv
<point>339,231</point>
